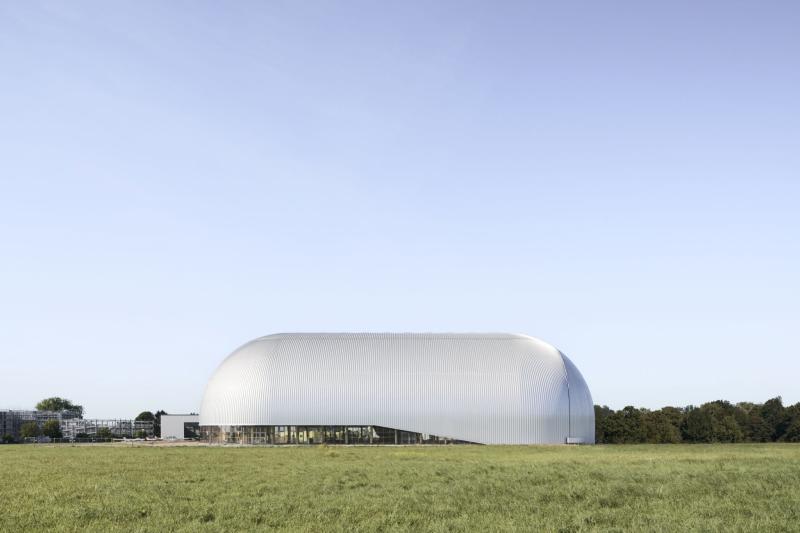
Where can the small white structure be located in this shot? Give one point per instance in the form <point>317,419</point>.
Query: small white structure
<point>179,427</point>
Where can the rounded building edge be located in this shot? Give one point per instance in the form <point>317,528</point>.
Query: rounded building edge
<point>581,405</point>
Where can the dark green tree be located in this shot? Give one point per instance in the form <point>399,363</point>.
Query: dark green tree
<point>727,429</point>
<point>725,421</point>
<point>51,429</point>
<point>712,422</point>
<point>601,414</point>
<point>697,425</point>
<point>625,426</point>
<point>8,439</point>
<point>146,416</point>
<point>103,433</point>
<point>663,426</point>
<point>29,429</point>
<point>793,432</point>
<point>776,417</point>
<point>59,404</point>
<point>756,428</point>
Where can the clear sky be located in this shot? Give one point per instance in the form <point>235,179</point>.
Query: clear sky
<point>620,179</point>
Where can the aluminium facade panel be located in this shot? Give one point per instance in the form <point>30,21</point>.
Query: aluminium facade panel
<point>484,388</point>
<point>173,426</point>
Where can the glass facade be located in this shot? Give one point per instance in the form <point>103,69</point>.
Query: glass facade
<point>275,435</point>
<point>191,430</point>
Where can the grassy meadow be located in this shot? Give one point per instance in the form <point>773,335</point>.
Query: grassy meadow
<point>726,487</point>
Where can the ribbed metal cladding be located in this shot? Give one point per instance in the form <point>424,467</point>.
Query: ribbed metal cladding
<point>492,388</point>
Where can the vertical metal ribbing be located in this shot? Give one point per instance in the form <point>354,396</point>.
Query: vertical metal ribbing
<point>569,398</point>
<point>582,405</point>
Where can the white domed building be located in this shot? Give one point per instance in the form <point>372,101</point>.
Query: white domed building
<point>397,388</point>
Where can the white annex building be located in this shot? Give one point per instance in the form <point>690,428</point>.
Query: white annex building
<point>178,427</point>
<point>388,388</point>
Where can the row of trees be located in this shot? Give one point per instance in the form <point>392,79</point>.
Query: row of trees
<point>718,421</point>
<point>50,428</point>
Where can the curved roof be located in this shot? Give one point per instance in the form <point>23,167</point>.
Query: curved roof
<point>489,388</point>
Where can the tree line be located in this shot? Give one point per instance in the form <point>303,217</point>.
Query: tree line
<point>718,421</point>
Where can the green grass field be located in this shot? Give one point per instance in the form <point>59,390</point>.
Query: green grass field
<point>449,488</point>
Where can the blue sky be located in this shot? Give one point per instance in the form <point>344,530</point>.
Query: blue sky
<point>177,178</point>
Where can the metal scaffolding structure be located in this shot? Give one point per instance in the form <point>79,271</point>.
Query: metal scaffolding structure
<point>11,421</point>
<point>71,425</point>
<point>118,428</point>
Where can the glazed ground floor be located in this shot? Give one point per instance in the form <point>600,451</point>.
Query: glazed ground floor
<point>317,435</point>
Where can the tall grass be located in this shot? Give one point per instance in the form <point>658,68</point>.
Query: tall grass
<point>447,488</point>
